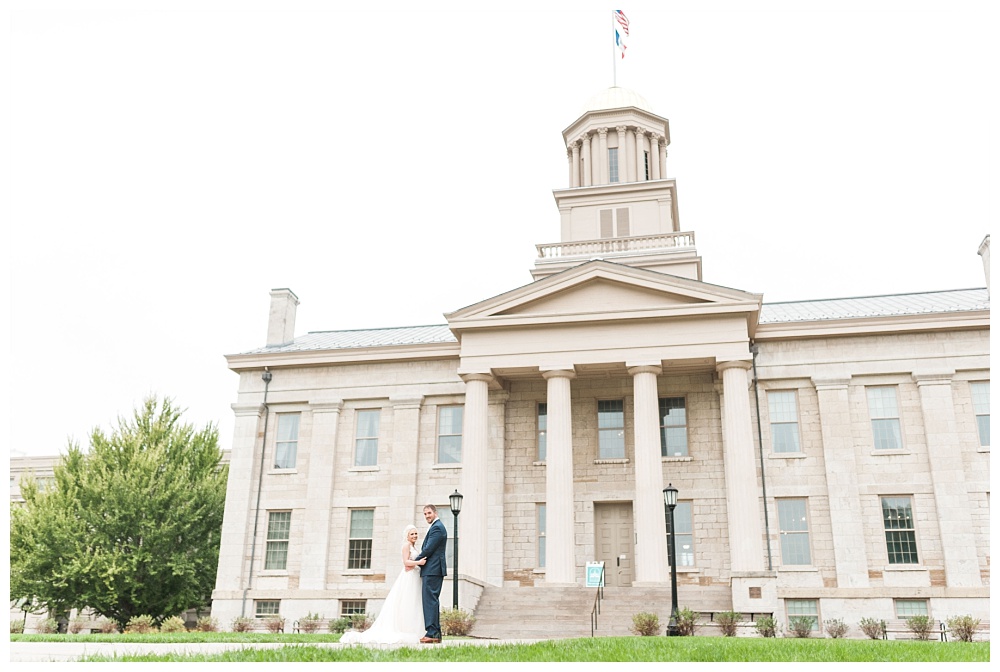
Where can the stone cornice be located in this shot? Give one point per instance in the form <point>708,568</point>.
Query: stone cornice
<point>343,356</point>
<point>977,319</point>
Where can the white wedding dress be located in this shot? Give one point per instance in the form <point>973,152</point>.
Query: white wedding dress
<point>401,620</point>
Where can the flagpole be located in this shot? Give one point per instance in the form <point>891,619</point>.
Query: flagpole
<point>614,51</point>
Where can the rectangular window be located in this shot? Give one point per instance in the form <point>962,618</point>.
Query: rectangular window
<point>684,538</point>
<point>264,608</point>
<point>673,427</point>
<point>900,533</point>
<point>279,525</point>
<point>450,434</point>
<point>884,412</point>
<point>784,415</point>
<point>541,535</point>
<point>366,438</point>
<point>909,608</point>
<point>611,428</point>
<point>981,406</point>
<point>287,443</point>
<point>350,607</point>
<point>543,425</point>
<point>359,550</point>
<point>613,164</point>
<point>645,161</point>
<point>794,531</point>
<point>803,609</point>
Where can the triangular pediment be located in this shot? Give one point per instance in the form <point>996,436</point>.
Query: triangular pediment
<point>601,290</point>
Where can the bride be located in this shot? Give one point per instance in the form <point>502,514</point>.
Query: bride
<point>401,620</point>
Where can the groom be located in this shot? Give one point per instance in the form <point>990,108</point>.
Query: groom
<point>432,573</point>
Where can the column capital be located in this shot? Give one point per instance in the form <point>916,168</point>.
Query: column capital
<point>485,377</point>
<point>406,400</point>
<point>621,129</point>
<point>639,131</point>
<point>637,368</point>
<point>247,409</point>
<point>744,364</point>
<point>939,377</point>
<point>326,406</point>
<point>574,145</point>
<point>583,139</point>
<point>831,383</point>
<point>603,132</point>
<point>558,372</point>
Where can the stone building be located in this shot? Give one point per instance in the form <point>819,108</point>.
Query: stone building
<point>831,456</point>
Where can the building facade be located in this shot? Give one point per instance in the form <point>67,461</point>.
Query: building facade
<point>831,456</point>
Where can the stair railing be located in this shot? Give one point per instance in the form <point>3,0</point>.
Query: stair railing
<point>597,603</point>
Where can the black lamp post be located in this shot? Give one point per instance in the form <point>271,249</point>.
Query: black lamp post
<point>669,502</point>
<point>456,508</point>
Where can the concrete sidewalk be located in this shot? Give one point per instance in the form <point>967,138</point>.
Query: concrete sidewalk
<point>61,652</point>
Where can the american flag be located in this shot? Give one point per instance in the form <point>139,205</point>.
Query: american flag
<point>621,30</point>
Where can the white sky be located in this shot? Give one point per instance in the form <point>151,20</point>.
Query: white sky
<point>171,162</point>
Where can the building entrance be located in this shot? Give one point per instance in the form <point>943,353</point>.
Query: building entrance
<point>614,542</point>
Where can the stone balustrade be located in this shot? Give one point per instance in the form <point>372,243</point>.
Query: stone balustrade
<point>604,246</point>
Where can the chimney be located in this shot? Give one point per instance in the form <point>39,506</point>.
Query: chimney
<point>984,252</point>
<point>281,320</point>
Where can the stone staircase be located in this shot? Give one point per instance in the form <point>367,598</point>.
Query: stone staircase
<point>544,612</point>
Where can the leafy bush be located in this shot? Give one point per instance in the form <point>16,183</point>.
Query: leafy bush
<point>140,625</point>
<point>457,622</point>
<point>173,624</point>
<point>728,620</point>
<point>47,626</point>
<point>687,621</point>
<point>801,626</point>
<point>17,627</point>
<point>310,622</point>
<point>836,628</point>
<point>766,626</point>
<point>362,622</point>
<point>75,625</point>
<point>340,625</point>
<point>871,627</point>
<point>275,623</point>
<point>242,624</point>
<point>107,626</point>
<point>207,624</point>
<point>920,626</point>
<point>645,624</point>
<point>963,627</point>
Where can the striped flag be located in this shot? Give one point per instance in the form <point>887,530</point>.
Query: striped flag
<point>621,30</point>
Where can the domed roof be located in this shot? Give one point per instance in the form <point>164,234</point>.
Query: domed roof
<point>615,97</point>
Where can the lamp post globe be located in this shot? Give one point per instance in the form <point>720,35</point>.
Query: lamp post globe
<point>669,503</point>
<point>455,500</point>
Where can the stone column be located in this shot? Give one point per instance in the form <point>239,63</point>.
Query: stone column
<point>241,491</point>
<point>654,156</point>
<point>640,163</point>
<point>629,158</point>
<point>585,142</point>
<point>319,493</point>
<point>842,482</point>
<point>602,153</point>
<point>473,521</point>
<point>575,146</point>
<point>560,542</point>
<point>745,548</point>
<point>404,509</point>
<point>595,159</point>
<point>663,158</point>
<point>651,561</point>
<point>951,496</point>
<point>495,493</point>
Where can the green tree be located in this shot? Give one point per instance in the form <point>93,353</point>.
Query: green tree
<point>131,527</point>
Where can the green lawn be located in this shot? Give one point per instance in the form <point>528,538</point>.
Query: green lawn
<point>612,649</point>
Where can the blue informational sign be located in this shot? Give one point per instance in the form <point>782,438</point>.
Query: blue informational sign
<point>595,575</point>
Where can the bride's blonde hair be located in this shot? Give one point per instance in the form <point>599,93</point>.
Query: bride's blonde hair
<point>406,532</point>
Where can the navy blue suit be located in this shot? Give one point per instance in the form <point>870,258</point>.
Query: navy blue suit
<point>432,575</point>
